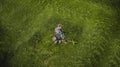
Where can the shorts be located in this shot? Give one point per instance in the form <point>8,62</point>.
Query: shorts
<point>58,37</point>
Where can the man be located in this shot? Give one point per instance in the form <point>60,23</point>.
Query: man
<point>59,34</point>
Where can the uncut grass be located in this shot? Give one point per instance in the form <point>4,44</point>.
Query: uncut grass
<point>26,28</point>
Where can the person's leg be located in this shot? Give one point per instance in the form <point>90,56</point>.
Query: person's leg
<point>56,41</point>
<point>60,41</point>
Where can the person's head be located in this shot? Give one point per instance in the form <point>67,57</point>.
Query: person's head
<point>59,26</point>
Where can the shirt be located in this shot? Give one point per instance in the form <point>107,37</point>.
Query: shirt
<point>58,31</point>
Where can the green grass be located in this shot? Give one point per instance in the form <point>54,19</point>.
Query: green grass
<point>27,27</point>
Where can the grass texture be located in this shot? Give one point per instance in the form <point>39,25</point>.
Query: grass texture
<point>27,27</point>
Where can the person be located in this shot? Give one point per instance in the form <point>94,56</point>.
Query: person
<point>59,34</point>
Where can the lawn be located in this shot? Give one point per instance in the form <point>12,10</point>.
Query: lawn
<point>27,28</point>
